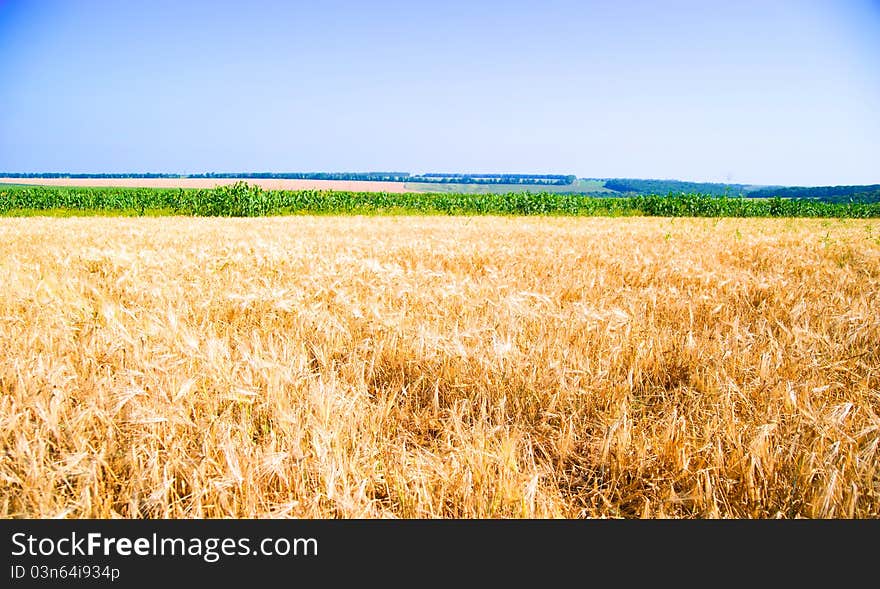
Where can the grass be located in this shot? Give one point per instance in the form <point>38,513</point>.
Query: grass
<point>582,186</point>
<point>422,367</point>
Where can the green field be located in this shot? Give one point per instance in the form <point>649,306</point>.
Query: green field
<point>244,200</point>
<point>580,186</point>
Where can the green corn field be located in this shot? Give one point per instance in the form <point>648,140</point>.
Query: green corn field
<point>244,200</point>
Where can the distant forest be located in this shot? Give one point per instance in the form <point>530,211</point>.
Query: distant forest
<point>537,179</point>
<point>368,176</point>
<point>362,176</point>
<point>863,193</point>
<point>547,179</point>
<point>69,175</point>
<point>857,193</point>
<point>630,185</point>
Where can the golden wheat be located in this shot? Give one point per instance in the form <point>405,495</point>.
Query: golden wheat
<point>439,367</point>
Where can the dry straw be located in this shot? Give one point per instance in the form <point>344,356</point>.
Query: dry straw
<point>422,367</point>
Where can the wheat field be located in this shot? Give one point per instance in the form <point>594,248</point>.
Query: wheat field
<point>439,367</point>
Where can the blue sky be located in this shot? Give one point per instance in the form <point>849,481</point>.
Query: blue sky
<point>765,92</point>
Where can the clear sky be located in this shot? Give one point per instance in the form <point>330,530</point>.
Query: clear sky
<point>754,91</point>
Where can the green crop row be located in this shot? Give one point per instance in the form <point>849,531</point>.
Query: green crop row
<point>245,200</point>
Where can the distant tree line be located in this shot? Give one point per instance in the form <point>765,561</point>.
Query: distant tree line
<point>538,179</point>
<point>854,193</point>
<point>630,185</point>
<point>368,176</point>
<point>362,176</point>
<point>862,193</point>
<point>69,175</point>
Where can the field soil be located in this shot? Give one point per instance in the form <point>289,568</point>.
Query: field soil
<point>422,367</point>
